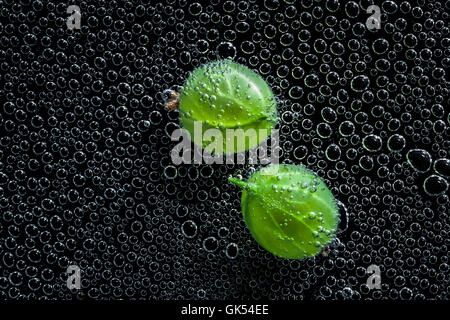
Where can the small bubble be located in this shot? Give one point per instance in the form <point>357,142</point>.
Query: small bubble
<point>419,159</point>
<point>435,185</point>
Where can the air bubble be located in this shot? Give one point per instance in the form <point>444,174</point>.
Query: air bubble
<point>435,185</point>
<point>189,229</point>
<point>232,251</point>
<point>419,159</point>
<point>360,83</point>
<point>226,50</point>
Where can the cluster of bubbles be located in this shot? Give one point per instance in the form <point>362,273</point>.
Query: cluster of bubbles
<point>86,177</point>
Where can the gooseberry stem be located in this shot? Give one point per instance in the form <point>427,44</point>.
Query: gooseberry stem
<point>174,101</point>
<point>238,182</point>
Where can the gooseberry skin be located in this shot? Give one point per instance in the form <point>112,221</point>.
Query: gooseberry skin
<point>226,95</point>
<point>289,210</point>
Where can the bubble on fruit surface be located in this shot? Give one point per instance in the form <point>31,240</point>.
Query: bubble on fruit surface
<point>86,176</point>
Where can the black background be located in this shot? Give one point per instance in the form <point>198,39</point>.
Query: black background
<point>86,176</point>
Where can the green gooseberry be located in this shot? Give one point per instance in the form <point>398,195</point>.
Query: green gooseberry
<point>289,210</point>
<point>226,95</point>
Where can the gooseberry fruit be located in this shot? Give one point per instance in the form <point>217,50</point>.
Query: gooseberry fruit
<point>289,210</point>
<point>227,96</point>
